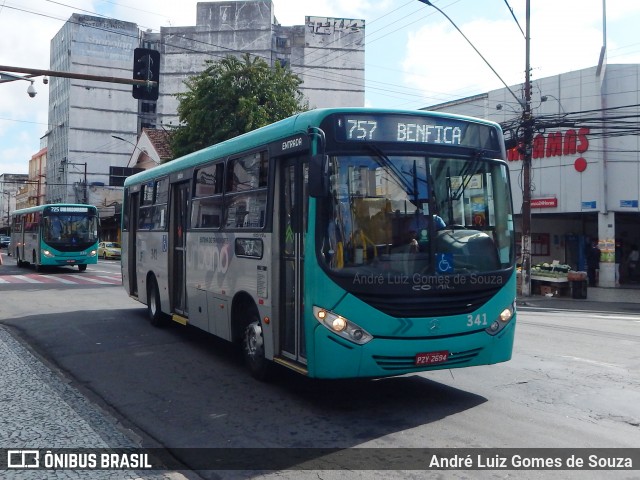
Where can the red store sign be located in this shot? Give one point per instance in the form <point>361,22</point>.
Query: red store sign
<point>550,202</point>
<point>555,144</point>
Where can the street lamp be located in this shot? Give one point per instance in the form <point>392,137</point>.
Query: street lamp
<point>546,97</point>
<point>132,144</point>
<point>500,106</point>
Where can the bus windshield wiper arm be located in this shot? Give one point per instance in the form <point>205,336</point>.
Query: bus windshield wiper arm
<point>385,162</point>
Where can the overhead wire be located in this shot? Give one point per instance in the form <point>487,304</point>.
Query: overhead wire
<point>381,87</point>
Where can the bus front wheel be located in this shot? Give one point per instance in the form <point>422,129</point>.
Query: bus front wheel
<point>82,267</point>
<point>253,349</point>
<point>154,311</point>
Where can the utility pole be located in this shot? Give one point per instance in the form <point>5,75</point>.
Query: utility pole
<point>85,191</point>
<point>527,125</point>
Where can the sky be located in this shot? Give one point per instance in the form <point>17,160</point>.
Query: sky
<point>414,55</point>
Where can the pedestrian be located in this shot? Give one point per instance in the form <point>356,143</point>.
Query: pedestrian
<point>632,262</point>
<point>593,263</point>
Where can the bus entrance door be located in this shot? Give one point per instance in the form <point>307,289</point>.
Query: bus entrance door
<point>177,246</point>
<point>132,253</point>
<point>292,227</point>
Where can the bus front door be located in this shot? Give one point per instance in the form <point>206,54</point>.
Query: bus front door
<point>177,246</point>
<point>292,229</point>
<point>132,239</point>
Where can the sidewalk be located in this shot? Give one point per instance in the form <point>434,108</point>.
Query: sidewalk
<point>625,298</point>
<point>39,410</point>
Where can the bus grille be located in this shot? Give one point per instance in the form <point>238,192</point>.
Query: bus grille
<point>456,359</point>
<point>445,304</point>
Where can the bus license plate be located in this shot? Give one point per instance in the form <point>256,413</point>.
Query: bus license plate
<point>431,358</point>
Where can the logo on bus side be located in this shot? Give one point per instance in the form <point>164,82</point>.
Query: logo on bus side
<point>211,254</point>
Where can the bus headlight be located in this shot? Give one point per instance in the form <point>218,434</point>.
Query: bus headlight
<point>48,254</point>
<point>505,317</point>
<point>93,253</point>
<point>341,326</point>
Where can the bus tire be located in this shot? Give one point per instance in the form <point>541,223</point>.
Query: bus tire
<point>154,310</point>
<point>82,267</point>
<point>253,349</point>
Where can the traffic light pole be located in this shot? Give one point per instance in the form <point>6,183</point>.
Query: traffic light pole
<point>78,76</point>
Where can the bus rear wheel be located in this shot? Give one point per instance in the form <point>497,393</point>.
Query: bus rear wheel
<point>253,348</point>
<point>154,311</point>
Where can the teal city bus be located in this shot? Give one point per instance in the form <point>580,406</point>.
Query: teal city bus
<point>55,235</point>
<point>340,243</point>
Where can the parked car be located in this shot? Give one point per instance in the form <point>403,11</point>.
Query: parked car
<point>5,241</point>
<point>109,250</point>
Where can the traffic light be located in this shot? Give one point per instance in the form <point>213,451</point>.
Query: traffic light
<point>146,66</point>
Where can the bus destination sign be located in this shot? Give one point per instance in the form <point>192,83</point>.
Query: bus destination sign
<point>413,129</point>
<point>68,209</point>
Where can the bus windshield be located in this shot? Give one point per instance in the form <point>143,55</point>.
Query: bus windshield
<point>416,215</point>
<point>70,229</point>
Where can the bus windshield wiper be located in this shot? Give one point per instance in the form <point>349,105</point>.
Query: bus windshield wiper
<point>469,170</point>
<point>384,161</point>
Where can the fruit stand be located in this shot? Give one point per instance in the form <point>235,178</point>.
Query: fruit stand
<point>558,280</point>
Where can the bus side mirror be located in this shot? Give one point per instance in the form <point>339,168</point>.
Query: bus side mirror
<point>319,176</point>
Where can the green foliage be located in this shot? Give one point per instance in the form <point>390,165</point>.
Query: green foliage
<point>231,97</point>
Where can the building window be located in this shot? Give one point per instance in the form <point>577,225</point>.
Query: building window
<point>540,244</point>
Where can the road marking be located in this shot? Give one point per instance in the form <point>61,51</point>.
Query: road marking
<point>116,280</point>
<point>616,317</point>
<point>67,279</point>
<point>26,279</point>
<point>62,280</point>
<point>592,362</point>
<point>84,278</point>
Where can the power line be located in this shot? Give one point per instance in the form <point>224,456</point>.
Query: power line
<point>506,2</point>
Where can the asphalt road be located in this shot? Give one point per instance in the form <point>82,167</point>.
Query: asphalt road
<point>573,382</point>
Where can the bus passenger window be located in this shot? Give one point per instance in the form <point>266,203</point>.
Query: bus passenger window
<point>247,210</point>
<point>248,173</point>
<point>206,212</point>
<point>209,180</point>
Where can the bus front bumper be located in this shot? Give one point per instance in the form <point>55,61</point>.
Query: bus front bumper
<point>335,357</point>
<point>69,258</point>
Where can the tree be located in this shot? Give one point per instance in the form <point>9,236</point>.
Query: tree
<point>231,97</point>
